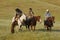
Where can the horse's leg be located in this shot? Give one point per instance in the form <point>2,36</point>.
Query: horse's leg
<point>52,24</point>
<point>50,28</point>
<point>26,26</point>
<point>34,28</point>
<point>45,24</point>
<point>29,27</point>
<point>47,28</point>
<point>20,27</point>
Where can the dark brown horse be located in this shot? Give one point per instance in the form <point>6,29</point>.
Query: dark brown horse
<point>49,22</point>
<point>33,21</point>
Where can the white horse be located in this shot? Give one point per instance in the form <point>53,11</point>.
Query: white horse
<point>19,22</point>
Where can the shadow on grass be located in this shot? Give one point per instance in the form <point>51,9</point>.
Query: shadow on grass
<point>44,30</point>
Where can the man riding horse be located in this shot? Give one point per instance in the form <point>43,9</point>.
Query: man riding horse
<point>48,22</point>
<point>31,13</point>
<point>18,14</point>
<point>32,20</point>
<point>47,15</point>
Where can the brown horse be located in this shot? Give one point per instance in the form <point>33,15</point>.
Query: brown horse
<point>33,21</point>
<point>49,22</point>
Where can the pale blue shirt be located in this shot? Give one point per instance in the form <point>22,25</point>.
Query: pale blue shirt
<point>48,15</point>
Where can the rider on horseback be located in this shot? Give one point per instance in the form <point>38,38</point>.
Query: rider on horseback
<point>18,11</point>
<point>18,15</point>
<point>31,13</point>
<point>49,19</point>
<point>47,15</point>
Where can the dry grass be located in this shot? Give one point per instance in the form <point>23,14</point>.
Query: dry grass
<point>7,11</point>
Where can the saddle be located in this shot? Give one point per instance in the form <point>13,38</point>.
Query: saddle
<point>49,21</point>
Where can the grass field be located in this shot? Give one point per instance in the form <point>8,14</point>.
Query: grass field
<point>7,11</point>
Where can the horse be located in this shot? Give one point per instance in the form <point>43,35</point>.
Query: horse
<point>17,22</point>
<point>31,23</point>
<point>49,22</point>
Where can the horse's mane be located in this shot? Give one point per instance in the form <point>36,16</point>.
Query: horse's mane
<point>37,17</point>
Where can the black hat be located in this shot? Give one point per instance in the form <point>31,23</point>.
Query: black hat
<point>30,8</point>
<point>18,10</point>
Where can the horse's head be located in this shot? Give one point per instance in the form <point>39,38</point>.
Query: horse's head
<point>51,19</point>
<point>38,18</point>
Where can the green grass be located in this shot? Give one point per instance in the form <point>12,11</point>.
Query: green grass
<point>7,11</point>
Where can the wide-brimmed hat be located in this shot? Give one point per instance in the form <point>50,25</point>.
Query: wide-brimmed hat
<point>47,10</point>
<point>30,8</point>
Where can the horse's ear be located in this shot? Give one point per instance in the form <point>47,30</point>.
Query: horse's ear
<point>39,16</point>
